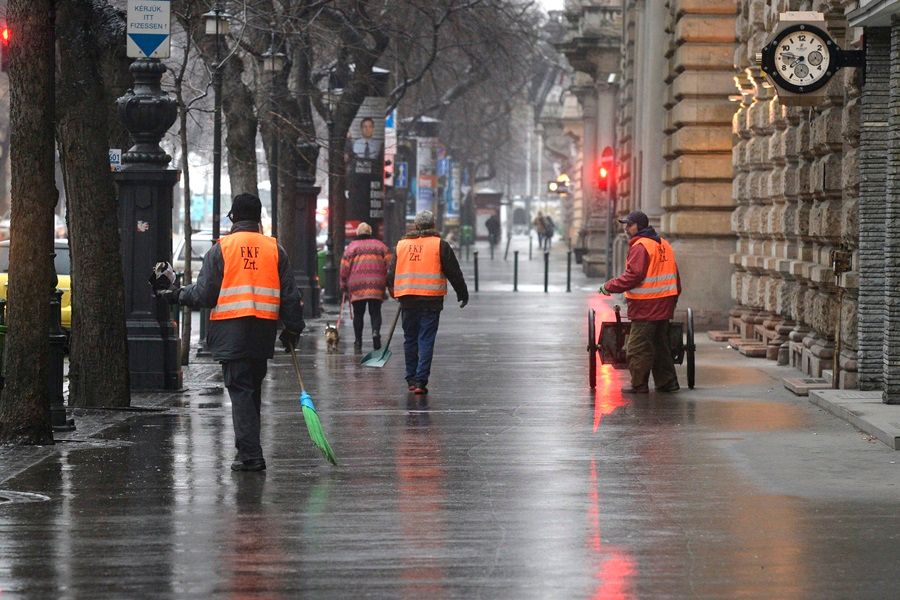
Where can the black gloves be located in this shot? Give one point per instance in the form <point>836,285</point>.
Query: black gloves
<point>171,296</point>
<point>162,277</point>
<point>463,300</point>
<point>289,339</point>
<point>162,282</point>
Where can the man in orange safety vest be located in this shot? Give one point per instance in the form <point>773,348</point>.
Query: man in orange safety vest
<point>247,281</point>
<point>651,285</point>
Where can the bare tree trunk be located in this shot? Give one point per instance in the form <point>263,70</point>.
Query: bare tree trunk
<point>237,99</point>
<point>24,406</point>
<point>240,128</point>
<point>98,366</point>
<point>4,170</point>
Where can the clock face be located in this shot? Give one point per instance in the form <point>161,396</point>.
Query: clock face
<point>800,59</point>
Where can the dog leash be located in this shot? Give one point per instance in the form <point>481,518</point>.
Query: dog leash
<point>341,313</point>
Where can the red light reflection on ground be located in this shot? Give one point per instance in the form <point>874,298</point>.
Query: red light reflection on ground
<point>615,568</point>
<point>608,394</point>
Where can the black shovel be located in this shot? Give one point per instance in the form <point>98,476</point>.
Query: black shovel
<point>378,358</point>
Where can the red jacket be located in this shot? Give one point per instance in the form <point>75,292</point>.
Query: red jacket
<point>658,309</point>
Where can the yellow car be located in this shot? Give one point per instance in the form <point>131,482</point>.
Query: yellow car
<point>63,266</point>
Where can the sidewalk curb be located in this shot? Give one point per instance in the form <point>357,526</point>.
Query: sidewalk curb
<point>864,410</point>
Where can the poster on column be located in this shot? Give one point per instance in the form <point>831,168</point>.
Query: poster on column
<point>365,167</point>
<point>451,196</point>
<point>426,173</point>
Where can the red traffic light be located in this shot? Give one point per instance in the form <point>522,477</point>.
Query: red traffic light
<point>604,173</point>
<point>4,48</point>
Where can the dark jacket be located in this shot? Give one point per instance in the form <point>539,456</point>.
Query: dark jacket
<point>636,265</point>
<point>246,337</point>
<point>450,269</point>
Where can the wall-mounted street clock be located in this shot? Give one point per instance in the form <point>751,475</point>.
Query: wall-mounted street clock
<point>801,57</point>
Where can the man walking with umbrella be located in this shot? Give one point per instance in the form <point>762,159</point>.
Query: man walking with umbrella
<point>424,264</point>
<point>247,281</point>
<point>652,286</point>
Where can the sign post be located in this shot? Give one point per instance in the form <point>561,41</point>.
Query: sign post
<point>148,28</point>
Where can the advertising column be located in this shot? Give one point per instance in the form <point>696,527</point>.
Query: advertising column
<point>365,160</point>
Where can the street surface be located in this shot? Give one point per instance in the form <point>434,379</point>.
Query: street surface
<point>511,479</point>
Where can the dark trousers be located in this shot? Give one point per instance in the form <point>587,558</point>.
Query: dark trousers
<point>649,350</point>
<point>359,313</point>
<point>419,332</point>
<point>243,378</point>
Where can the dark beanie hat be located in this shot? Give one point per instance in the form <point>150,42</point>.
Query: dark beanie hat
<point>245,207</point>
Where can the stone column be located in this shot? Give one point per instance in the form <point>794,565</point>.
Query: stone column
<point>594,262</point>
<point>891,372</point>
<point>652,98</point>
<point>874,143</point>
<point>698,176</point>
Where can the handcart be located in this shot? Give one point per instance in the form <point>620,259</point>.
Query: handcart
<point>610,344</point>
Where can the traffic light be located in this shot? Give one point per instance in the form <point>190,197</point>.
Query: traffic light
<point>606,169</point>
<point>388,173</point>
<point>4,48</point>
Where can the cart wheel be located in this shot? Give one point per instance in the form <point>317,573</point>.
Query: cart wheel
<point>689,348</point>
<point>592,350</point>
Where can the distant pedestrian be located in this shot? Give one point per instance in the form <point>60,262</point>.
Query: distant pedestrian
<point>247,281</point>
<point>549,230</point>
<point>493,226</point>
<point>652,285</point>
<point>424,264</point>
<point>364,279</point>
<point>538,224</point>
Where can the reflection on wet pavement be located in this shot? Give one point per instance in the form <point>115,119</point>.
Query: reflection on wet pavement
<point>510,480</point>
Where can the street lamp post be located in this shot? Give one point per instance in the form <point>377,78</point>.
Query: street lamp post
<point>273,64</point>
<point>216,24</point>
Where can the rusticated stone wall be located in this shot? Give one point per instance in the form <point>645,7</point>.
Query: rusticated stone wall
<point>675,139</point>
<point>796,189</point>
<point>875,140</point>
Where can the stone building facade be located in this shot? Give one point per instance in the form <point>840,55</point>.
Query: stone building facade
<point>796,190</point>
<point>675,140</point>
<point>878,352</point>
<point>759,198</point>
<point>592,46</point>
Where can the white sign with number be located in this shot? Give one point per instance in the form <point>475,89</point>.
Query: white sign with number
<point>115,159</point>
<point>148,28</point>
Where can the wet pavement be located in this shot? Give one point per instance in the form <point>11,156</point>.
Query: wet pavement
<point>512,480</point>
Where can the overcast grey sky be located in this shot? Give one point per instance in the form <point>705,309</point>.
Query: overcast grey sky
<point>552,4</point>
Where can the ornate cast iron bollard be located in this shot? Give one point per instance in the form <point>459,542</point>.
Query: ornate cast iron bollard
<point>145,220</point>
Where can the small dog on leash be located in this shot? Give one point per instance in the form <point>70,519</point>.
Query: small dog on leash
<point>332,337</point>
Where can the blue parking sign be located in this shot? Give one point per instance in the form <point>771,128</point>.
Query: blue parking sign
<point>401,175</point>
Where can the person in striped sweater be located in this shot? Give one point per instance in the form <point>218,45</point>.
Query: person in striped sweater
<point>364,280</point>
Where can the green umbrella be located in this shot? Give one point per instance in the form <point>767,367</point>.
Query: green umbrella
<point>311,416</point>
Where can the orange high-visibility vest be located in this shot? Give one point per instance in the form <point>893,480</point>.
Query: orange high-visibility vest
<point>418,270</point>
<point>250,286</point>
<point>662,273</point>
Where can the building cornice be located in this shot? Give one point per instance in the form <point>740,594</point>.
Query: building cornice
<point>875,13</point>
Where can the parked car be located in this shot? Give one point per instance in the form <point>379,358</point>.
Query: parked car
<point>63,265</point>
<point>201,242</point>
